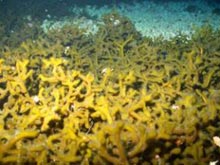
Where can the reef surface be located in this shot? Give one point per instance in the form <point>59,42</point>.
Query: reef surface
<point>113,97</point>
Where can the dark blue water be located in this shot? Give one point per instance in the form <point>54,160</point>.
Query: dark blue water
<point>59,8</point>
<point>13,12</point>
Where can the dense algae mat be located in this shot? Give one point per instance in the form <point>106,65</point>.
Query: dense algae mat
<point>111,98</point>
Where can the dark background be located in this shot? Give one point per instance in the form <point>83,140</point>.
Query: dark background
<point>58,8</point>
<point>13,10</point>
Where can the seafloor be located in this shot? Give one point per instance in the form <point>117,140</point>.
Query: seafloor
<point>121,83</point>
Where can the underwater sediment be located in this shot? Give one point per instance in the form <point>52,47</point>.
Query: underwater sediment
<point>113,97</point>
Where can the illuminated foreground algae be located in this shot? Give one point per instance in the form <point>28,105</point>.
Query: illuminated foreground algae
<point>112,98</point>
